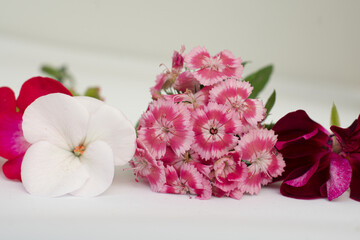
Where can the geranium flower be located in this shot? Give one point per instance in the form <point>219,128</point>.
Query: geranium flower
<point>210,70</point>
<point>234,94</point>
<point>189,181</point>
<point>349,139</point>
<point>257,148</point>
<point>166,124</point>
<point>12,143</point>
<point>312,169</point>
<point>229,172</point>
<point>214,131</point>
<point>146,166</point>
<point>76,141</point>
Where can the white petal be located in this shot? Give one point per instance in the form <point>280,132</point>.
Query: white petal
<point>48,170</point>
<point>110,125</point>
<point>56,118</point>
<point>90,103</point>
<point>99,162</point>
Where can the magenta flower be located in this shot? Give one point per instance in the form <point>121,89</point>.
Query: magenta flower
<point>211,70</point>
<point>229,172</point>
<point>257,148</point>
<point>12,142</point>
<point>312,169</point>
<point>349,139</point>
<point>166,124</point>
<point>189,181</point>
<point>234,94</point>
<point>214,131</point>
<point>146,166</point>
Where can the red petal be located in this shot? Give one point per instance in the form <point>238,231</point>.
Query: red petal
<point>37,87</point>
<point>355,180</point>
<point>12,168</point>
<point>7,100</point>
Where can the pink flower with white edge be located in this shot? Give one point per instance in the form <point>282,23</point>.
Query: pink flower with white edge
<point>229,172</point>
<point>257,148</point>
<point>234,94</point>
<point>189,181</point>
<point>75,143</point>
<point>210,70</point>
<point>193,100</point>
<point>166,124</point>
<point>214,131</point>
<point>146,166</point>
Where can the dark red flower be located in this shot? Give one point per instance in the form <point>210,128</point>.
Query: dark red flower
<point>349,139</point>
<point>12,143</point>
<point>312,169</point>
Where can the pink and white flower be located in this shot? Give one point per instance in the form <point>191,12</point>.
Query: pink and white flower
<point>234,94</point>
<point>258,150</point>
<point>214,131</point>
<point>210,70</point>
<point>166,124</point>
<point>189,181</point>
<point>75,143</point>
<point>186,81</point>
<point>193,100</point>
<point>229,172</point>
<point>146,166</point>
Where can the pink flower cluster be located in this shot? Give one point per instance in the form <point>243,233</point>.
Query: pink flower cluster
<point>202,134</point>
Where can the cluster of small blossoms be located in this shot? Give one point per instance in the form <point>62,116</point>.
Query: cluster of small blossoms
<point>202,135</point>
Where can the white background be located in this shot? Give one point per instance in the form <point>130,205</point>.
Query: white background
<point>119,46</point>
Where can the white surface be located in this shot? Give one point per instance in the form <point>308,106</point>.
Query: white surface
<point>129,210</point>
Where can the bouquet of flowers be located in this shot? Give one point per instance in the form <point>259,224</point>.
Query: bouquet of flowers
<point>203,133</point>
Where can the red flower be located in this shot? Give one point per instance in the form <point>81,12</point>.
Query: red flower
<point>312,169</point>
<point>349,139</point>
<point>12,143</point>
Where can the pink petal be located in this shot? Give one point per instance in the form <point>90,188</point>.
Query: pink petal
<point>303,179</point>
<point>208,77</point>
<point>7,100</point>
<point>340,176</point>
<point>254,111</point>
<point>12,141</point>
<point>195,58</point>
<point>186,81</point>
<point>12,168</point>
<point>37,87</point>
<point>252,184</point>
<point>235,68</point>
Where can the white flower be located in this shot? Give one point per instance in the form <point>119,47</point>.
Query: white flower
<point>76,143</point>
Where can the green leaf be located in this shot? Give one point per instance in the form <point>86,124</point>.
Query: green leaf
<point>270,103</point>
<point>334,118</point>
<point>259,80</point>
<point>245,63</point>
<point>93,92</point>
<point>269,126</point>
<point>53,72</point>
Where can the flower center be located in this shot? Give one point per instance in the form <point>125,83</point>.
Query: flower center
<point>79,150</point>
<point>213,131</point>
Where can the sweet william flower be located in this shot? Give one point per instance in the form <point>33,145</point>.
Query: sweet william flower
<point>76,141</point>
<point>12,143</point>
<point>210,70</point>
<point>166,124</point>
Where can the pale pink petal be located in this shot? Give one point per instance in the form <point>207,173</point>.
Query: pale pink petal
<point>48,170</point>
<point>57,118</point>
<point>254,111</point>
<point>195,58</point>
<point>252,184</point>
<point>98,161</point>
<point>108,124</point>
<point>235,68</point>
<point>156,90</point>
<point>340,176</point>
<point>208,77</point>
